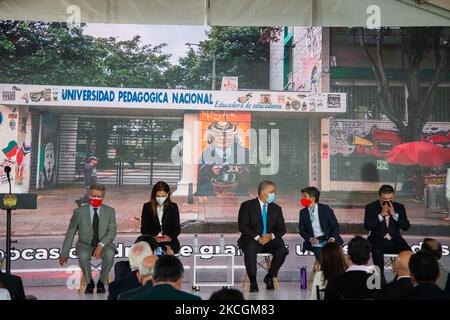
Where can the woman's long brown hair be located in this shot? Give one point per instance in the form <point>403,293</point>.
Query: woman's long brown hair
<point>333,260</point>
<point>159,186</point>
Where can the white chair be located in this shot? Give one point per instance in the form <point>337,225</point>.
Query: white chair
<point>389,260</point>
<point>264,262</point>
<point>94,267</point>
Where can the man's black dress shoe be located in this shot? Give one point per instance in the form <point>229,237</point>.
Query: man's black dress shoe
<point>254,287</point>
<point>90,287</point>
<point>100,287</point>
<point>269,283</point>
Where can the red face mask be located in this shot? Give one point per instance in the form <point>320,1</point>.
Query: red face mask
<point>95,202</point>
<point>305,202</point>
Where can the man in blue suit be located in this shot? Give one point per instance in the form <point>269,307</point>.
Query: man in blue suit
<point>317,224</point>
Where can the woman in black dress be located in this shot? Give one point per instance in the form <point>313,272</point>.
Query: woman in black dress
<point>161,219</point>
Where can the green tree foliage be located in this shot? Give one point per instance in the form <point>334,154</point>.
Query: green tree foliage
<point>41,52</point>
<point>238,52</point>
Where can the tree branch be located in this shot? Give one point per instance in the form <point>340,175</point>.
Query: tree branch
<point>384,91</point>
<point>441,71</point>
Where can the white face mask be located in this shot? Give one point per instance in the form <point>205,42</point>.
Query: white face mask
<point>161,200</point>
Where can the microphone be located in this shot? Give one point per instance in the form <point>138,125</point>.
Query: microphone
<point>7,171</point>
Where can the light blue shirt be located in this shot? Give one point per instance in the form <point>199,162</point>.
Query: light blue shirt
<point>91,213</point>
<point>314,217</point>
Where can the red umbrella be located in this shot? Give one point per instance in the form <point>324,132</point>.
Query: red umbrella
<point>419,153</point>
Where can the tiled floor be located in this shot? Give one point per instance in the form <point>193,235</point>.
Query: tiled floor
<point>288,291</point>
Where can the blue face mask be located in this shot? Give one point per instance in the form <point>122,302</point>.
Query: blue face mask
<point>271,197</point>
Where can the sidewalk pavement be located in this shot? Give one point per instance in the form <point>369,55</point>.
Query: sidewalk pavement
<point>55,208</point>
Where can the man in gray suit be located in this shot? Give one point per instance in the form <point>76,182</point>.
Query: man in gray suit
<point>96,226</point>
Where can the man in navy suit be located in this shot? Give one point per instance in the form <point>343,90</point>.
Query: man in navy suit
<point>317,223</point>
<point>384,218</point>
<point>262,228</point>
<point>424,273</point>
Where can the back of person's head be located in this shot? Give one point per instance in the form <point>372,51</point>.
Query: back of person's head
<point>424,267</point>
<point>137,253</point>
<point>332,260</point>
<point>168,269</point>
<point>149,239</point>
<point>432,246</point>
<point>359,250</point>
<point>147,268</point>
<point>401,265</point>
<point>227,294</point>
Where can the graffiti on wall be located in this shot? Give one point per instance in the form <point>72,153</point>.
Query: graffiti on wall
<point>364,145</point>
<point>47,160</point>
<point>308,58</point>
<point>224,162</point>
<point>14,158</point>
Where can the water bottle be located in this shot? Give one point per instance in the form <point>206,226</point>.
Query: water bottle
<point>303,279</point>
<point>222,244</point>
<point>195,245</point>
<point>159,252</point>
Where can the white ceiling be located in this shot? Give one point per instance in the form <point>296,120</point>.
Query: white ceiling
<point>232,12</point>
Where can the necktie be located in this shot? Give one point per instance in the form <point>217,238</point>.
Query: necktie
<point>264,216</point>
<point>95,240</point>
<point>387,236</point>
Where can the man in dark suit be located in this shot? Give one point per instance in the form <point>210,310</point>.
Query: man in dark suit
<point>262,227</point>
<point>167,281</point>
<point>383,219</point>
<point>359,282</point>
<point>402,282</point>
<point>13,284</point>
<point>424,273</point>
<point>145,275</point>
<point>137,253</point>
<point>317,223</point>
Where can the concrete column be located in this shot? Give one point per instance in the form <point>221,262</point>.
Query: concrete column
<point>325,157</point>
<point>191,147</point>
<point>15,132</point>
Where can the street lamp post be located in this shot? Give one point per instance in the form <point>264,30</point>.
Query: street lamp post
<point>213,73</point>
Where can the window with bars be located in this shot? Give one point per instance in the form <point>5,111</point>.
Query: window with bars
<point>363,103</point>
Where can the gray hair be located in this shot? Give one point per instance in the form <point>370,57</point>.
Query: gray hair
<point>263,184</point>
<point>137,253</point>
<point>145,270</point>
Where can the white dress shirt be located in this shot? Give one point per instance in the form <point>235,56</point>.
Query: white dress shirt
<point>314,217</point>
<point>160,213</point>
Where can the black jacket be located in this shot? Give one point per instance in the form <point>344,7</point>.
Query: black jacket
<point>351,285</point>
<point>14,285</point>
<point>379,229</point>
<point>251,223</point>
<point>131,294</point>
<point>150,224</point>
<point>426,291</point>
<point>328,223</point>
<point>395,289</point>
<point>117,287</point>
